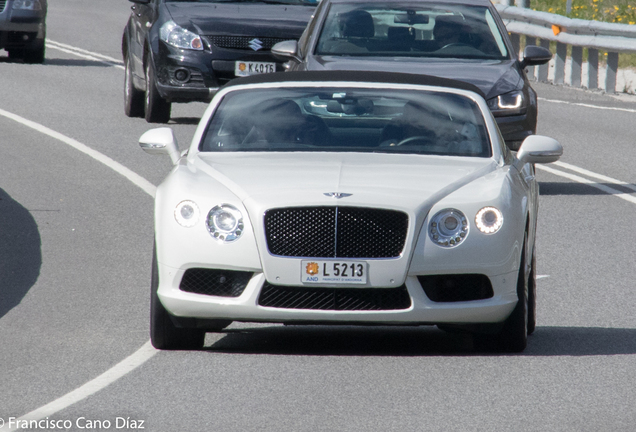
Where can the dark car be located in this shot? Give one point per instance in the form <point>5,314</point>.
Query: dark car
<point>183,51</point>
<point>23,29</point>
<point>464,40</point>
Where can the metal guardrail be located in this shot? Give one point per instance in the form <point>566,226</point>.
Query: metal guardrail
<point>594,36</point>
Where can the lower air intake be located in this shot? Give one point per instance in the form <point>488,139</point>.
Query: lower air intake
<point>221,283</point>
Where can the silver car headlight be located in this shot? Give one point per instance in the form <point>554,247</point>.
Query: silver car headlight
<point>177,36</point>
<point>448,228</point>
<point>225,223</point>
<point>489,220</point>
<point>512,103</point>
<point>186,214</point>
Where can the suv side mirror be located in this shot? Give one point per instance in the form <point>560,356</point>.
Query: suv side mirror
<point>286,50</point>
<point>535,55</point>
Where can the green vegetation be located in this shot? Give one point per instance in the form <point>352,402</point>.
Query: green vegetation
<point>612,11</point>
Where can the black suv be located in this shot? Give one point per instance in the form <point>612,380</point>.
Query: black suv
<point>183,51</point>
<point>23,29</point>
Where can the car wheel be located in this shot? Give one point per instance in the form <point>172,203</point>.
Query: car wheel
<point>164,334</point>
<point>513,336</point>
<point>35,55</point>
<point>157,109</point>
<point>133,98</point>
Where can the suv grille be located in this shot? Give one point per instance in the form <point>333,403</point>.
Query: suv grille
<point>3,3</point>
<point>243,42</point>
<point>335,299</point>
<point>222,283</point>
<point>336,232</point>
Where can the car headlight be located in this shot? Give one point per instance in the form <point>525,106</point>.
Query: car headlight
<point>33,5</point>
<point>177,36</point>
<point>489,220</point>
<point>448,228</point>
<point>512,103</point>
<point>225,223</point>
<point>186,214</point>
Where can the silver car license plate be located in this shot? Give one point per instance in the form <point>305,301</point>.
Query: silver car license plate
<point>340,272</point>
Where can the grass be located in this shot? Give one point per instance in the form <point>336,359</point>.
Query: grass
<point>611,11</point>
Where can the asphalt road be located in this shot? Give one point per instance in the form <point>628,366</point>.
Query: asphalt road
<point>75,252</point>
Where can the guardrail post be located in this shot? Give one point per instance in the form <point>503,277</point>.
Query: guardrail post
<point>559,63</point>
<point>575,66</point>
<point>543,69</point>
<point>592,68</point>
<point>610,76</point>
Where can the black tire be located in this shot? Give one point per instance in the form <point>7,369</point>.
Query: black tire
<point>133,98</point>
<point>156,108</point>
<point>16,54</point>
<point>164,335</point>
<point>513,336</point>
<point>35,55</point>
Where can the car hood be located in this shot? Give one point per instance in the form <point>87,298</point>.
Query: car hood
<point>409,182</point>
<point>245,19</point>
<point>492,77</point>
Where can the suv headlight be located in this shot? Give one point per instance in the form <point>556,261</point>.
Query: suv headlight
<point>512,103</point>
<point>33,5</point>
<point>179,37</point>
<point>225,223</point>
<point>448,228</point>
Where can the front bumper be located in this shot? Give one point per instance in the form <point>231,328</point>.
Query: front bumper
<point>206,71</point>
<point>21,28</point>
<point>247,306</point>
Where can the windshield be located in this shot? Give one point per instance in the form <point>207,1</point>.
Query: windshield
<point>286,2</point>
<point>378,29</point>
<point>347,120</point>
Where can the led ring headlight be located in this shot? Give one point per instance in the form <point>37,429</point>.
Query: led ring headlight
<point>489,220</point>
<point>225,223</point>
<point>448,228</point>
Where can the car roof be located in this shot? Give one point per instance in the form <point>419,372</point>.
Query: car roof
<point>432,2</point>
<point>356,76</point>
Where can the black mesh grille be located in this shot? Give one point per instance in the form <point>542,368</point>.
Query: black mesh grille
<point>222,283</point>
<point>3,3</point>
<point>243,42</point>
<point>455,288</point>
<point>340,299</point>
<point>336,232</point>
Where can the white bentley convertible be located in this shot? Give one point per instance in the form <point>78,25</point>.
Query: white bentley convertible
<point>346,198</point>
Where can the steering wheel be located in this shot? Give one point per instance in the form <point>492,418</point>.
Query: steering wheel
<point>425,140</point>
<point>454,45</point>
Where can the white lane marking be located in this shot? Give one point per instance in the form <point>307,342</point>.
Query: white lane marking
<point>595,175</point>
<point>619,194</point>
<point>542,277</point>
<point>143,354</point>
<point>88,55</point>
<point>135,178</point>
<point>629,110</point>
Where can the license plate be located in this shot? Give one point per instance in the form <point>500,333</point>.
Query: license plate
<point>242,68</point>
<point>341,272</point>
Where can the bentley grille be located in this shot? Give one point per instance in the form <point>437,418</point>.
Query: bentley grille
<point>336,232</point>
<point>243,42</point>
<point>336,299</point>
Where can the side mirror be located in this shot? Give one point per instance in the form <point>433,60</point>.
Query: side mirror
<point>286,50</point>
<point>160,141</point>
<point>535,55</point>
<point>538,149</point>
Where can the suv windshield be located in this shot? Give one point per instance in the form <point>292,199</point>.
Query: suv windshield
<point>389,29</point>
<point>347,119</point>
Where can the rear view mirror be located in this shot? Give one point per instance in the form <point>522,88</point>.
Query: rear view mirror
<point>535,55</point>
<point>160,141</point>
<point>538,149</point>
<point>286,50</point>
<point>410,17</point>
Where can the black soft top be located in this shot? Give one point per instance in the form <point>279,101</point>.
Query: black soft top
<point>356,76</point>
